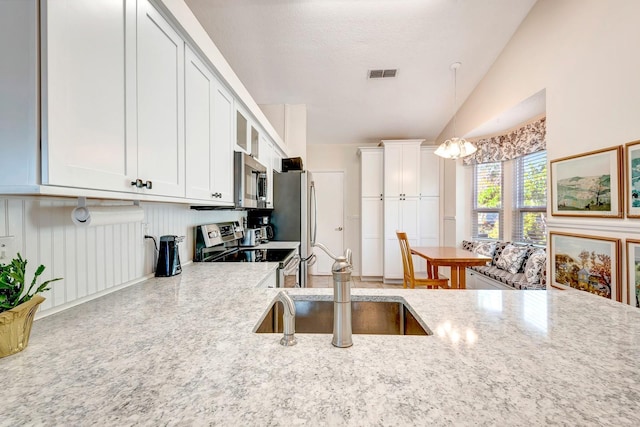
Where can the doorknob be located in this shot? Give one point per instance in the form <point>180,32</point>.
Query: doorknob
<point>339,229</point>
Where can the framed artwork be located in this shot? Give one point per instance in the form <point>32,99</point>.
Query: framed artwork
<point>588,185</point>
<point>587,263</point>
<point>632,160</point>
<point>633,271</point>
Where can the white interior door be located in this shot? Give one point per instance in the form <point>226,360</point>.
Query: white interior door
<point>329,188</point>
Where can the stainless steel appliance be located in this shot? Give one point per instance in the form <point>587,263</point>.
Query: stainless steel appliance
<point>294,214</point>
<point>252,237</point>
<point>249,182</point>
<point>168,257</point>
<point>220,243</point>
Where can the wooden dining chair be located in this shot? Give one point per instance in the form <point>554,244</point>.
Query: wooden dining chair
<point>410,277</point>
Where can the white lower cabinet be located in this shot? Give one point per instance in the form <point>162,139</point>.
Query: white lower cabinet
<point>400,214</point>
<point>479,281</point>
<point>372,237</point>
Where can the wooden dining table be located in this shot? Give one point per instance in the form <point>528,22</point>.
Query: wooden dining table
<point>449,256</point>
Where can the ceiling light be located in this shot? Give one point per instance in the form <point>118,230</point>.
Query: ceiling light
<point>455,147</point>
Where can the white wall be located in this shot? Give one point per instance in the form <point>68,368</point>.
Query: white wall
<point>93,260</point>
<point>585,54</point>
<point>290,122</point>
<point>343,157</point>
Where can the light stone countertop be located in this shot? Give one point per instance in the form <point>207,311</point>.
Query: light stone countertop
<point>181,351</point>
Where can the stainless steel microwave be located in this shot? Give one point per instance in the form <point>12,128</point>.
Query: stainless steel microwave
<point>249,182</point>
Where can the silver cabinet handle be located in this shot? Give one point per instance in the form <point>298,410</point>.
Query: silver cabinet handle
<point>339,229</point>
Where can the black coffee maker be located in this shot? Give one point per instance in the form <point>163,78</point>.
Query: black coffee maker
<point>168,257</point>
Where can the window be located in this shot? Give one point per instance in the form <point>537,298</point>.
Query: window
<point>530,199</point>
<point>487,201</point>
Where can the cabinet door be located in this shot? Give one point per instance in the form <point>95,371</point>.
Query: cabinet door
<point>429,221</point>
<point>410,219</point>
<point>372,217</point>
<point>372,236</point>
<point>410,170</point>
<point>266,150</point>
<point>160,92</point>
<point>222,163</point>
<point>429,173</point>
<point>392,170</point>
<point>392,222</point>
<point>198,91</point>
<point>87,140</point>
<point>276,160</point>
<point>371,173</point>
<point>242,131</point>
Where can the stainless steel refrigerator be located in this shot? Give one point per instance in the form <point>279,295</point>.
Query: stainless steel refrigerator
<point>294,214</point>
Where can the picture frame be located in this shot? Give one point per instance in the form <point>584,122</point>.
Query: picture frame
<point>633,272</point>
<point>587,263</point>
<point>632,178</point>
<point>588,184</point>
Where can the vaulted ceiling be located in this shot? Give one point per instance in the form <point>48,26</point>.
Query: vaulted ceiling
<point>319,52</point>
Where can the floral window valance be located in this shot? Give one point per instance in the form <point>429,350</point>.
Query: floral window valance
<point>528,139</point>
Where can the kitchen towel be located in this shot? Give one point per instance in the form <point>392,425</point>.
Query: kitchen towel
<point>106,215</point>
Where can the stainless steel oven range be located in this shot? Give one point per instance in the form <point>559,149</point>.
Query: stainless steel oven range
<point>220,242</point>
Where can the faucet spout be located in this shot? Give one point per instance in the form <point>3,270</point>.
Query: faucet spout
<point>289,320</point>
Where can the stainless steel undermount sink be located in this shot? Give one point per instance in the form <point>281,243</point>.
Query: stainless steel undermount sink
<point>375,317</point>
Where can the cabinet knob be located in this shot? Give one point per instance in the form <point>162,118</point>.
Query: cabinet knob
<point>148,184</point>
<point>339,229</point>
<point>137,183</point>
<point>217,195</point>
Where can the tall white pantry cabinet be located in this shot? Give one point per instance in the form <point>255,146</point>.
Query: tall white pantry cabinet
<point>400,190</point>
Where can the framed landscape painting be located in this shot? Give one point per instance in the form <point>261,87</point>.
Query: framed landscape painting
<point>588,184</point>
<point>633,271</point>
<point>633,179</point>
<point>586,263</point>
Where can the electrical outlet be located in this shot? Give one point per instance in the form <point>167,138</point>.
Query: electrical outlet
<point>6,247</point>
<point>145,228</point>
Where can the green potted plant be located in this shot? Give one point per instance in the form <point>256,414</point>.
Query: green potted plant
<point>17,307</point>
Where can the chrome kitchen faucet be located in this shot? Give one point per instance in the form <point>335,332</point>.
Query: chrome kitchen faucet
<point>341,271</point>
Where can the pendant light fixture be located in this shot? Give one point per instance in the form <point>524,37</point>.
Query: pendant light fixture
<point>455,147</point>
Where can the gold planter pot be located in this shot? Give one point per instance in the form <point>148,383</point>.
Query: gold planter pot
<point>15,326</point>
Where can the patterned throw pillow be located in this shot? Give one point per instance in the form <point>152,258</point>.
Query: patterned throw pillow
<point>511,258</point>
<point>499,248</point>
<point>485,248</point>
<point>535,265</point>
<point>468,245</point>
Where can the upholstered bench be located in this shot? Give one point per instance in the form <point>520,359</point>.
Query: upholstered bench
<point>512,266</point>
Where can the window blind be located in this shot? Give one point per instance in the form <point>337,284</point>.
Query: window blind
<point>487,201</point>
<point>530,198</point>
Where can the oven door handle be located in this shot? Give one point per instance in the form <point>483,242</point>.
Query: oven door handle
<point>291,267</point>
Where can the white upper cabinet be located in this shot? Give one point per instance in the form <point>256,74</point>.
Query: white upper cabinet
<point>99,87</point>
<point>208,134</point>
<point>402,168</point>
<point>429,172</point>
<point>88,140</point>
<point>222,163</point>
<point>372,170</point>
<point>276,160</point>
<point>242,131</point>
<point>160,90</point>
<point>199,119</point>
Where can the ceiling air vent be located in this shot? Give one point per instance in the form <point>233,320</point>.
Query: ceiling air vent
<point>382,74</point>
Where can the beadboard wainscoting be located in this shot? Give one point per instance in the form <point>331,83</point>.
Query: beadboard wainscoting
<point>97,260</point>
